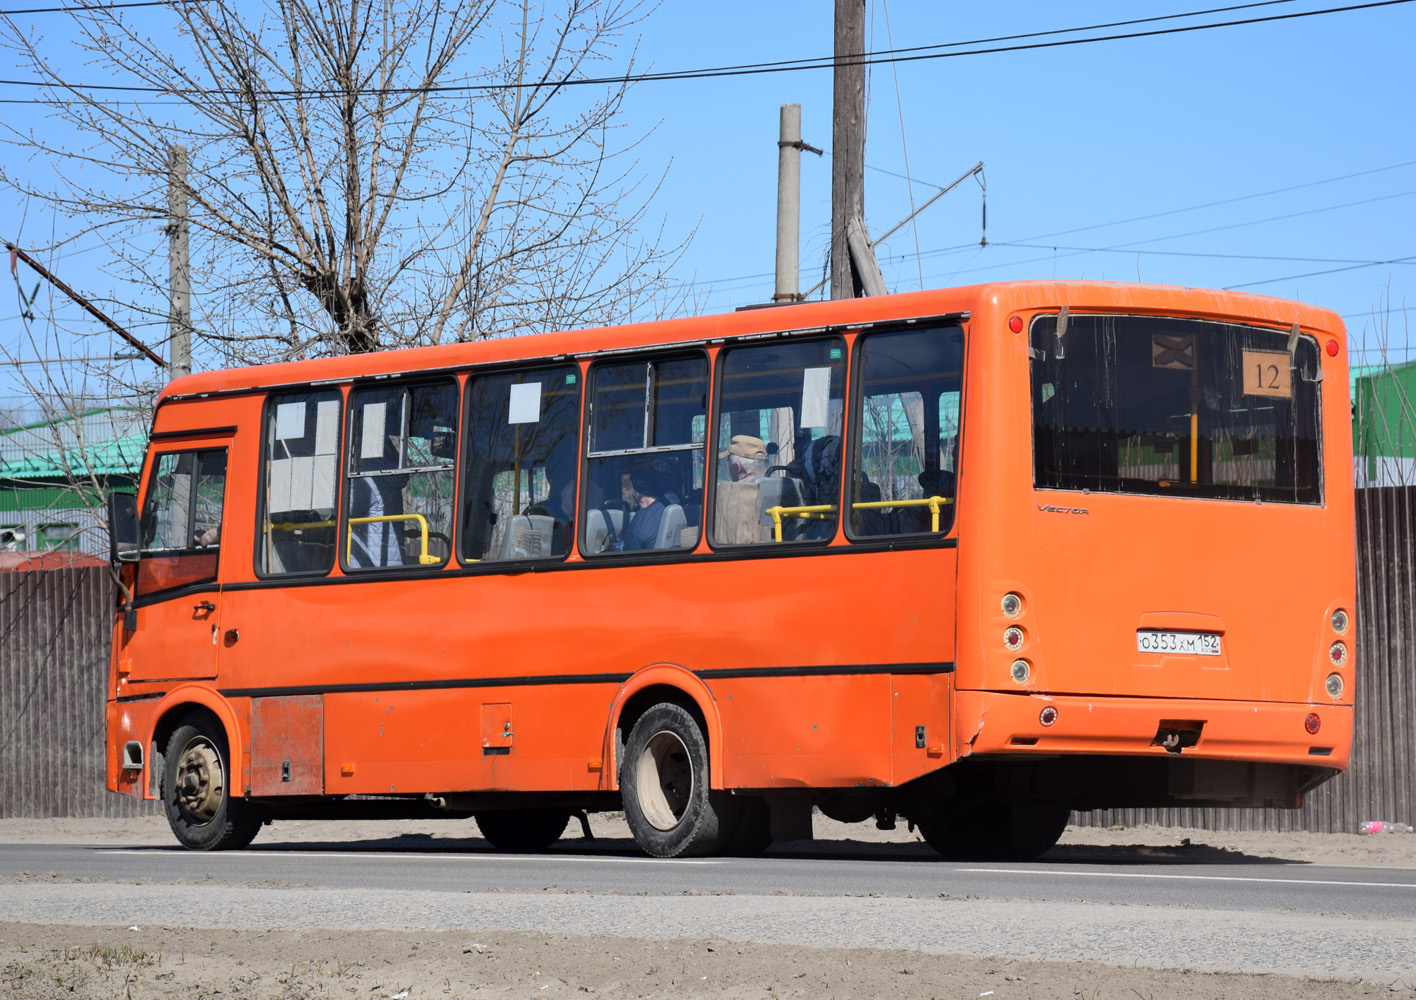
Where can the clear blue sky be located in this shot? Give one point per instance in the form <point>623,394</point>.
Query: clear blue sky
<point>1075,141</point>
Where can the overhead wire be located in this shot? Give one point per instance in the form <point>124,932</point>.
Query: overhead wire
<point>866,59</point>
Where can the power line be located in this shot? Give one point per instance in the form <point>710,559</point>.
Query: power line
<point>98,7</point>
<point>1314,274</point>
<point>867,59</point>
<point>1188,253</point>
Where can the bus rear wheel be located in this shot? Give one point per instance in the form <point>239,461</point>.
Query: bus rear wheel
<point>664,784</point>
<point>995,829</point>
<point>522,829</point>
<point>196,789</point>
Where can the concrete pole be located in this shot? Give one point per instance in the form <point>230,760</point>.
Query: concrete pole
<point>179,274</point>
<point>847,144</point>
<point>788,204</point>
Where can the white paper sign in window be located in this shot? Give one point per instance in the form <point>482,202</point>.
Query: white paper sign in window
<point>815,396</point>
<point>326,426</point>
<point>289,421</point>
<point>372,443</point>
<point>525,403</point>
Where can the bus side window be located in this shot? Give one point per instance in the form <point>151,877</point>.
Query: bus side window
<point>300,482</point>
<point>645,458</point>
<point>522,454</point>
<point>779,443</point>
<point>402,447</point>
<point>907,433</point>
<point>180,533</point>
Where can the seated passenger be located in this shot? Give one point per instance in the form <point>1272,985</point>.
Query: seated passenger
<point>736,519</point>
<point>653,494</point>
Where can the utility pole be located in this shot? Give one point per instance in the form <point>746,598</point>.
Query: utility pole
<point>179,269</point>
<point>854,270</point>
<point>789,147</point>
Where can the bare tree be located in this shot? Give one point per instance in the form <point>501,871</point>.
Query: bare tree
<point>362,173</point>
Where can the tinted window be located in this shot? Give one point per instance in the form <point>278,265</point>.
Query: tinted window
<point>402,446</point>
<point>522,455</point>
<point>907,432</point>
<point>301,482</point>
<point>644,485</point>
<point>1130,404</point>
<point>784,399</point>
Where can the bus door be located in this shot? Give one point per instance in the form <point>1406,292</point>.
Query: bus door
<point>176,591</point>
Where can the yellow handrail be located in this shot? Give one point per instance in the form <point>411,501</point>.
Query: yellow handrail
<point>933,503</point>
<point>423,557</point>
<point>816,512</point>
<point>819,511</point>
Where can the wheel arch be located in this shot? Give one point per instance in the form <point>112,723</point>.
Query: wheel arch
<point>181,702</point>
<point>655,683</point>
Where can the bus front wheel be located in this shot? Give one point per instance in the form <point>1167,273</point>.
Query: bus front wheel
<point>996,829</point>
<point>196,789</point>
<point>664,784</point>
<point>522,829</point>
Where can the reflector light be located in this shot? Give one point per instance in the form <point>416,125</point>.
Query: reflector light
<point>1047,716</point>
<point>1020,671</point>
<point>1337,652</point>
<point>1312,723</point>
<point>1332,348</point>
<point>1334,685</point>
<point>1339,621</point>
<point>1016,324</point>
<point>1012,605</point>
<point>1013,638</point>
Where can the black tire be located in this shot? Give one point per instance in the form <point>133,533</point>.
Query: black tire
<point>197,789</point>
<point>752,834</point>
<point>994,829</point>
<point>664,784</point>
<point>522,829</point>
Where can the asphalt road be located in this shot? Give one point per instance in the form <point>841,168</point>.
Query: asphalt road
<point>1110,905</point>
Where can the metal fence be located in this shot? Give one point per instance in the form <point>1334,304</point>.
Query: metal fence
<point>54,636</point>
<point>54,658</point>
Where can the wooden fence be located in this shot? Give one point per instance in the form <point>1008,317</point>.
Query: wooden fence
<point>54,658</point>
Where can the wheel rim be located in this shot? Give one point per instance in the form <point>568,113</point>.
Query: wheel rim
<point>201,780</point>
<point>665,780</point>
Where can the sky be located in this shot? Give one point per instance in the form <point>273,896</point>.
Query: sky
<point>1277,158</point>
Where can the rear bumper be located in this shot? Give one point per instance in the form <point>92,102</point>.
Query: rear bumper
<point>1009,724</point>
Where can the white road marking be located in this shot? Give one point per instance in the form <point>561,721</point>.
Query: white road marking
<point>423,856</point>
<point>1190,878</point>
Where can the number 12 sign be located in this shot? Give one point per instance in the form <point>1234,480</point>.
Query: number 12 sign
<point>1267,373</point>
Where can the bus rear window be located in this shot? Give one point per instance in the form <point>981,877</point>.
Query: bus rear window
<point>1175,407</point>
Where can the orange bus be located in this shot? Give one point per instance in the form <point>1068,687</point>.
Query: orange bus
<point>972,558</point>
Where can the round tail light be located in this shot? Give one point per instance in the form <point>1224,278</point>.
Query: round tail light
<point>1012,605</point>
<point>1340,621</point>
<point>1337,652</point>
<point>1013,638</point>
<point>1334,685</point>
<point>1048,715</point>
<point>1312,723</point>
<point>1021,671</point>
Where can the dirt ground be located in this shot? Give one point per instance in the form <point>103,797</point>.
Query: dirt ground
<point>52,962</point>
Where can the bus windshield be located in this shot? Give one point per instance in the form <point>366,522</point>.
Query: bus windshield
<point>1175,407</point>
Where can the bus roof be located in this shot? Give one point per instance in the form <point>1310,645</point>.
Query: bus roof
<point>1105,295</point>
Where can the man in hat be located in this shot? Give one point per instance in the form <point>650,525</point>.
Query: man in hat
<point>736,518</point>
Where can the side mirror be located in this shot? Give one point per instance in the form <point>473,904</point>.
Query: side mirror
<point>122,528</point>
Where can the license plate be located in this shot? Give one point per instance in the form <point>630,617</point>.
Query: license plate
<point>1184,643</point>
